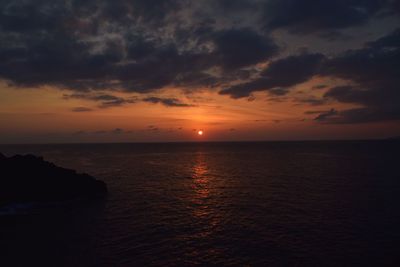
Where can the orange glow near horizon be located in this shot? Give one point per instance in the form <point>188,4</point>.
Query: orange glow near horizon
<point>43,115</point>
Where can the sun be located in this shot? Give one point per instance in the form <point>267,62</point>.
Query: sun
<point>200,132</point>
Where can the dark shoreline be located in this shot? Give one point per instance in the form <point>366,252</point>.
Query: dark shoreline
<point>31,179</point>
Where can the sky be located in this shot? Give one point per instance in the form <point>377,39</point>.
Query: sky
<point>161,70</point>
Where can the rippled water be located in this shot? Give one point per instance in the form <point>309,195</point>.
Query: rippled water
<point>214,204</point>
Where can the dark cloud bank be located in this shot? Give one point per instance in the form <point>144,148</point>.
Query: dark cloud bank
<point>107,100</point>
<point>144,45</point>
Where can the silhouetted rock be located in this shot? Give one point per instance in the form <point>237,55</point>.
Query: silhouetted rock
<point>31,179</point>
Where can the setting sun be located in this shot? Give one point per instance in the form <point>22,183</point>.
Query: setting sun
<point>200,132</point>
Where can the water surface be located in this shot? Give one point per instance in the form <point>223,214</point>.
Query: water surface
<point>234,204</point>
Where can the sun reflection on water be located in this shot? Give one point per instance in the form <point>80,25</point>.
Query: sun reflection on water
<point>205,206</point>
<point>201,186</point>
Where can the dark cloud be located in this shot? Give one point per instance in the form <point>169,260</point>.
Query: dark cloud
<point>394,7</point>
<point>108,132</point>
<point>81,109</point>
<point>319,86</point>
<point>307,16</point>
<point>194,79</point>
<point>46,44</point>
<point>235,5</point>
<point>236,48</point>
<point>374,72</point>
<point>24,16</point>
<point>118,45</point>
<point>313,112</point>
<point>358,115</point>
<point>158,70</point>
<point>245,89</point>
<point>311,100</point>
<point>293,69</point>
<point>169,102</point>
<point>374,65</point>
<point>280,74</point>
<point>123,11</point>
<point>145,45</point>
<point>345,94</point>
<point>105,100</point>
<point>278,91</point>
<point>326,115</point>
<point>326,19</point>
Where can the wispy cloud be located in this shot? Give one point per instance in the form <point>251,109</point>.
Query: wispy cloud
<point>81,109</point>
<point>105,100</point>
<point>169,102</point>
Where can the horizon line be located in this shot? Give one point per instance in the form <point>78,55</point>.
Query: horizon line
<point>205,142</point>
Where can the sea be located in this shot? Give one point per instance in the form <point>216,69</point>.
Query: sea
<point>311,203</point>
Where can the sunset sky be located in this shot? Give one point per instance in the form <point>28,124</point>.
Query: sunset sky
<point>161,70</point>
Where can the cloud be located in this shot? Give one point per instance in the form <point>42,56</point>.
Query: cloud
<point>357,115</point>
<point>103,132</point>
<point>236,48</point>
<point>105,100</point>
<point>374,73</point>
<point>49,43</point>
<point>140,46</point>
<point>282,73</point>
<point>319,86</point>
<point>113,131</point>
<point>169,102</point>
<point>312,112</point>
<point>312,100</point>
<point>133,46</point>
<point>326,115</point>
<point>310,16</point>
<point>81,109</point>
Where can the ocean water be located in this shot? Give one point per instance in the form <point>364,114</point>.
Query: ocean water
<point>217,204</point>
